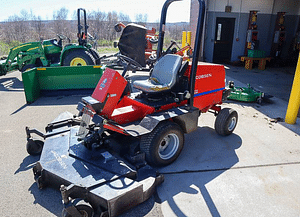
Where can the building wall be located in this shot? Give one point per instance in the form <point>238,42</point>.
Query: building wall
<point>266,19</point>
<point>264,7</point>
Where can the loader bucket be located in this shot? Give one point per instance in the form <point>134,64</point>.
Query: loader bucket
<point>40,80</point>
<point>2,64</point>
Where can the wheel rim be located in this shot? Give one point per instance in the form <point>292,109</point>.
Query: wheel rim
<point>232,124</point>
<point>168,146</point>
<point>84,213</point>
<point>78,62</point>
<point>27,69</point>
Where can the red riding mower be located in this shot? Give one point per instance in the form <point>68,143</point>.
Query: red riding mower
<point>100,160</point>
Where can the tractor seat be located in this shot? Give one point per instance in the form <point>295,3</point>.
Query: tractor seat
<point>55,43</point>
<point>163,76</point>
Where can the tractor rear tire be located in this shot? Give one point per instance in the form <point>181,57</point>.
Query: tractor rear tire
<point>226,121</point>
<point>78,58</point>
<point>96,56</point>
<point>164,144</point>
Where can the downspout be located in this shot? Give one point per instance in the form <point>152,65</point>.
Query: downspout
<point>270,34</point>
<point>239,21</point>
<point>203,35</point>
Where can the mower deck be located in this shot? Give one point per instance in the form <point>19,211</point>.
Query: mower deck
<point>103,179</point>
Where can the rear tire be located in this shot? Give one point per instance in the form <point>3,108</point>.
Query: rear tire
<point>96,56</point>
<point>163,145</point>
<point>226,121</point>
<point>78,58</point>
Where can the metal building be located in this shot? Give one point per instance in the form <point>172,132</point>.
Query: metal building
<point>234,26</point>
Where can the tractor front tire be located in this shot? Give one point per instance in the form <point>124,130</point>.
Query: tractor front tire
<point>226,121</point>
<point>27,67</point>
<point>163,145</point>
<point>78,58</point>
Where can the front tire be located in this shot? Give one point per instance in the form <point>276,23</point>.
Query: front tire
<point>164,144</point>
<point>27,67</point>
<point>226,121</point>
<point>34,147</point>
<point>84,208</point>
<point>78,58</point>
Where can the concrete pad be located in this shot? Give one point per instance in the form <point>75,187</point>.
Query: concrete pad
<point>20,194</point>
<point>255,141</point>
<point>252,172</point>
<point>257,191</point>
<point>275,107</point>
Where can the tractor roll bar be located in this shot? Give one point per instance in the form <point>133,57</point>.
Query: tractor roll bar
<point>196,50</point>
<point>81,40</point>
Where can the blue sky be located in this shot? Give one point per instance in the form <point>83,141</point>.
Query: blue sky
<point>178,11</point>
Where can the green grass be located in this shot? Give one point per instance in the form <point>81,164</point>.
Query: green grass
<point>107,49</point>
<point>5,47</point>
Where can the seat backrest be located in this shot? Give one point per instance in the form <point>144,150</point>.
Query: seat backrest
<point>166,69</point>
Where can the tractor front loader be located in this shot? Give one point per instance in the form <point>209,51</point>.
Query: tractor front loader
<point>103,159</point>
<point>32,54</point>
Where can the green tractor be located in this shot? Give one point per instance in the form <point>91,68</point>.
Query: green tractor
<point>83,53</point>
<point>52,53</point>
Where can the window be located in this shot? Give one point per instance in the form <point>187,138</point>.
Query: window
<point>219,31</point>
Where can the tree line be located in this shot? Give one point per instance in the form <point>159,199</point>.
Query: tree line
<point>27,27</point>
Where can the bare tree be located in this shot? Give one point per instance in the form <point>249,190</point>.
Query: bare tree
<point>60,23</point>
<point>19,27</point>
<point>141,19</point>
<point>27,27</point>
<point>96,20</point>
<point>112,19</point>
<point>124,18</point>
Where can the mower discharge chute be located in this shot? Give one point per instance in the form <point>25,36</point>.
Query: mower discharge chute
<point>102,159</point>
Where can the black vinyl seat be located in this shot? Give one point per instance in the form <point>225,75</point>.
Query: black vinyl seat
<point>163,77</point>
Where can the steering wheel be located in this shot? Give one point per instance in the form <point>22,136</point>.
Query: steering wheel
<point>91,37</point>
<point>129,64</point>
<point>153,40</point>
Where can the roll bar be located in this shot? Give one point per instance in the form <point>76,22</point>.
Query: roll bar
<point>197,45</point>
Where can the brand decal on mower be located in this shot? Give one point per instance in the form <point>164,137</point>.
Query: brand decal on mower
<point>59,160</point>
<point>102,85</point>
<point>203,76</point>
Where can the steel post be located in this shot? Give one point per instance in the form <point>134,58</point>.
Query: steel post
<point>294,102</point>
